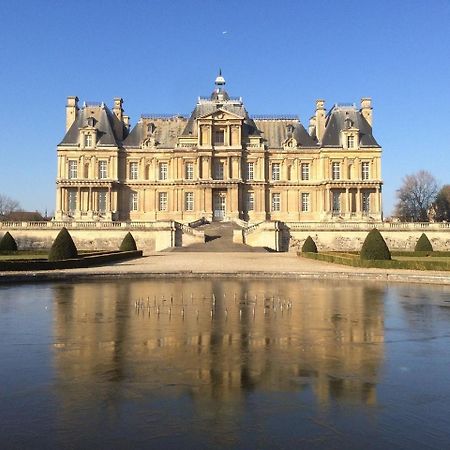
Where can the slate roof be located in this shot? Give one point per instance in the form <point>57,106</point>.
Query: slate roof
<point>108,126</point>
<point>335,122</point>
<point>166,131</point>
<point>275,131</point>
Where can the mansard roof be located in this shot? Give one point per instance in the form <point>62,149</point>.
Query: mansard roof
<point>336,122</point>
<point>276,130</point>
<point>108,126</point>
<point>165,130</point>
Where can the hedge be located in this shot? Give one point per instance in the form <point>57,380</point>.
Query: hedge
<point>354,261</point>
<point>423,244</point>
<point>374,247</point>
<point>309,245</point>
<point>8,243</point>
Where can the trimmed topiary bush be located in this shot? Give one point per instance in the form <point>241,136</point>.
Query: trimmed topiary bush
<point>63,247</point>
<point>374,247</point>
<point>423,244</point>
<point>309,245</point>
<point>8,243</point>
<point>128,244</point>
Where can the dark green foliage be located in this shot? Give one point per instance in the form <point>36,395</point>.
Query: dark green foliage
<point>63,247</point>
<point>423,244</point>
<point>7,243</point>
<point>128,244</point>
<point>374,247</point>
<point>309,245</point>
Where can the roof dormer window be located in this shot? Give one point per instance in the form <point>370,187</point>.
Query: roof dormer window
<point>88,141</point>
<point>91,121</point>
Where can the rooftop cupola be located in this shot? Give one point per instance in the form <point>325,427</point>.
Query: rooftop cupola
<point>219,93</point>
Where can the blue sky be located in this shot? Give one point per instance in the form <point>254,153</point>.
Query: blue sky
<point>280,56</point>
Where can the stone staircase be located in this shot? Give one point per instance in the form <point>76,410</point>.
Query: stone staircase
<point>218,238</point>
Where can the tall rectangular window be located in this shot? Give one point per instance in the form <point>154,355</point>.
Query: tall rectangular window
<point>250,171</point>
<point>72,200</point>
<point>365,202</point>
<point>189,171</point>
<point>219,137</point>
<point>218,170</point>
<point>103,169</point>
<point>276,171</point>
<point>189,201</point>
<point>305,202</point>
<point>134,170</point>
<point>336,202</point>
<point>163,171</point>
<point>365,168</point>
<point>73,169</point>
<point>276,201</point>
<point>162,203</point>
<point>101,201</point>
<point>305,171</point>
<point>336,171</point>
<point>134,201</point>
<point>350,141</point>
<point>88,140</point>
<point>250,201</point>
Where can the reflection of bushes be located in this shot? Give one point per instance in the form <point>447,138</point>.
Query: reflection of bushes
<point>8,243</point>
<point>309,245</point>
<point>374,247</point>
<point>128,244</point>
<point>63,247</point>
<point>423,244</point>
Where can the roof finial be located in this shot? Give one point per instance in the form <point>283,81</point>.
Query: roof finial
<point>220,80</point>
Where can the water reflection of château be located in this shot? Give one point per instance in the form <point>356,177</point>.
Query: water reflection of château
<point>330,342</point>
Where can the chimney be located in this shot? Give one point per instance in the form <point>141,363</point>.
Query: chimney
<point>366,109</point>
<point>312,125</point>
<point>117,110</point>
<point>71,111</point>
<point>320,119</point>
<point>126,121</point>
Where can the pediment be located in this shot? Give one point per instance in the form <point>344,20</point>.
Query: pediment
<point>221,114</point>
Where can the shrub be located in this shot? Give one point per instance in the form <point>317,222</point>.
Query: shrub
<point>309,245</point>
<point>7,243</point>
<point>128,244</point>
<point>423,244</point>
<point>374,247</point>
<point>63,247</point>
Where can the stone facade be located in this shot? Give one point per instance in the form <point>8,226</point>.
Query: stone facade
<point>219,163</point>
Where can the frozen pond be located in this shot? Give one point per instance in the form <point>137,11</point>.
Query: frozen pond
<point>201,363</point>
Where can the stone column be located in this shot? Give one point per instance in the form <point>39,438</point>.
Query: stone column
<point>358,202</point>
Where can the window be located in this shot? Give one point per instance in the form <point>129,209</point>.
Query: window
<point>336,202</point>
<point>250,168</point>
<point>163,171</point>
<point>218,170</point>
<point>305,202</point>
<point>365,167</point>
<point>72,200</point>
<point>350,141</point>
<point>336,171</point>
<point>73,169</point>
<point>276,202</point>
<point>365,202</point>
<point>219,137</point>
<point>134,170</point>
<point>101,201</point>
<point>88,140</point>
<point>189,201</point>
<point>305,171</point>
<point>250,201</point>
<point>276,171</point>
<point>103,169</point>
<point>162,201</point>
<point>189,171</point>
<point>134,201</point>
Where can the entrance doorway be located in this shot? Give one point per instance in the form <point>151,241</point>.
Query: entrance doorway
<point>219,204</point>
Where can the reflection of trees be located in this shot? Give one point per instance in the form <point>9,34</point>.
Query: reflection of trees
<point>331,341</point>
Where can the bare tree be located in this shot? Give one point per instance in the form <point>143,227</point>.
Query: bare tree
<point>7,206</point>
<point>415,196</point>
